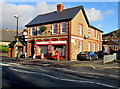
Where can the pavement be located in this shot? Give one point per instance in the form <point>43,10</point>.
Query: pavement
<point>95,64</point>
<point>89,69</point>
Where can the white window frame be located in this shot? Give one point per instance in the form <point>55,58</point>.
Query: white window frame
<point>53,28</point>
<point>98,47</point>
<point>94,47</point>
<point>80,46</point>
<point>80,30</point>
<point>89,45</point>
<point>63,27</point>
<point>38,30</point>
<point>31,32</point>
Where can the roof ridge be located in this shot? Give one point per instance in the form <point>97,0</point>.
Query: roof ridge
<point>60,11</point>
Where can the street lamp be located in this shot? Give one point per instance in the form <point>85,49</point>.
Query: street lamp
<point>16,16</point>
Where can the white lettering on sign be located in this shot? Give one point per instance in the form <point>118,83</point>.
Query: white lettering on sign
<point>51,42</point>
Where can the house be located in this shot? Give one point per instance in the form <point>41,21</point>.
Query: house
<point>7,36</point>
<point>67,30</point>
<point>111,41</point>
<point>19,45</point>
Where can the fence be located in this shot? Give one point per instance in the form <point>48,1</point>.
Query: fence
<point>109,58</point>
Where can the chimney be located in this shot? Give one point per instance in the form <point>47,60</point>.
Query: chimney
<point>60,7</point>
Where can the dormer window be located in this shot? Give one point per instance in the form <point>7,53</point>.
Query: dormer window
<point>54,28</point>
<point>63,27</point>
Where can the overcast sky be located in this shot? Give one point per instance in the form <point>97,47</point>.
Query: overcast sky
<point>103,15</point>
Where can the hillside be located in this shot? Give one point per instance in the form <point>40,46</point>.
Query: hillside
<point>115,35</point>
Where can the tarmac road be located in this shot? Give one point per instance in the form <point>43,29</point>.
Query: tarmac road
<point>16,75</point>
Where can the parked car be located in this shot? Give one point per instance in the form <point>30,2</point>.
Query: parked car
<point>101,54</point>
<point>87,56</point>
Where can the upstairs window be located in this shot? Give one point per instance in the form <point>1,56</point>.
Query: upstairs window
<point>89,31</point>
<point>54,28</point>
<point>39,30</point>
<point>32,31</point>
<point>63,27</point>
<point>80,30</point>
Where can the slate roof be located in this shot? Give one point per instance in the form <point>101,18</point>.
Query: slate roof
<point>7,35</point>
<point>59,16</point>
<point>56,16</point>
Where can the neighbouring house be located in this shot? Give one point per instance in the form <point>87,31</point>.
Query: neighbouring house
<point>7,36</point>
<point>66,30</point>
<point>111,41</point>
<point>19,45</point>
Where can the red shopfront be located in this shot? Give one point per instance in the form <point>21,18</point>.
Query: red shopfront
<point>49,48</point>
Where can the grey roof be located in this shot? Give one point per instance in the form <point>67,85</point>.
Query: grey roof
<point>59,16</point>
<point>7,35</point>
<point>66,14</point>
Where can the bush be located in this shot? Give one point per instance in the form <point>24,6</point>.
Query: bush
<point>3,48</point>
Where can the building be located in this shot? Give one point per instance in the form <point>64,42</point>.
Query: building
<point>111,41</point>
<point>67,30</point>
<point>19,45</point>
<point>7,36</point>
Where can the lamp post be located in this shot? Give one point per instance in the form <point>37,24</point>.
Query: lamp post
<point>16,16</point>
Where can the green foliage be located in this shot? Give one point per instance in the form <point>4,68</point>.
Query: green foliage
<point>3,48</point>
<point>43,28</point>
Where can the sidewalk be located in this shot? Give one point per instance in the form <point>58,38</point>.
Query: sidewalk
<point>88,69</point>
<point>96,64</point>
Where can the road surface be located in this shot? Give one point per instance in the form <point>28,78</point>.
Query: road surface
<point>16,76</point>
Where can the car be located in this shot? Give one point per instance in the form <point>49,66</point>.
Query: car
<point>101,54</point>
<point>87,56</point>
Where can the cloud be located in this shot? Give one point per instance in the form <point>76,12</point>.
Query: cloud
<point>99,26</point>
<point>25,12</point>
<point>96,15</point>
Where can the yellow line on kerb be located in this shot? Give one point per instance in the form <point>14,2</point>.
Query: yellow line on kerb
<point>74,65</point>
<point>93,66</point>
<point>104,67</point>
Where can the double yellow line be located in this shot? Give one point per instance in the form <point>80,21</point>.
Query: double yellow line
<point>104,67</point>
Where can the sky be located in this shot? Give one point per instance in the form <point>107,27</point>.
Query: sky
<point>103,15</point>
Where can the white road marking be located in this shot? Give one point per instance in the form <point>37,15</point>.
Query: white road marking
<point>114,76</point>
<point>106,85</point>
<point>71,80</point>
<point>49,76</point>
<point>91,73</point>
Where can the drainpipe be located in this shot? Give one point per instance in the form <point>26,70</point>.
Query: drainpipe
<point>69,40</point>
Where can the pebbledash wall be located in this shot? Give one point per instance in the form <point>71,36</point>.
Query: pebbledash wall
<point>83,37</point>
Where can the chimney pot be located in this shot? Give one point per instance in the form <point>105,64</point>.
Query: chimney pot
<point>60,7</point>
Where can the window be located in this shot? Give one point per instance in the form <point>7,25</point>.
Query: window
<point>95,33</point>
<point>94,47</point>
<point>32,31</point>
<point>89,32</point>
<point>88,46</point>
<point>98,47</point>
<point>39,30</point>
<point>63,27</point>
<point>80,29</point>
<point>54,28</point>
<point>80,46</point>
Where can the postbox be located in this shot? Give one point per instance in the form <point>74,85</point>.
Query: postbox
<point>42,56</point>
<point>57,54</point>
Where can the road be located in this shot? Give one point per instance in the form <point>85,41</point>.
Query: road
<point>16,75</point>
